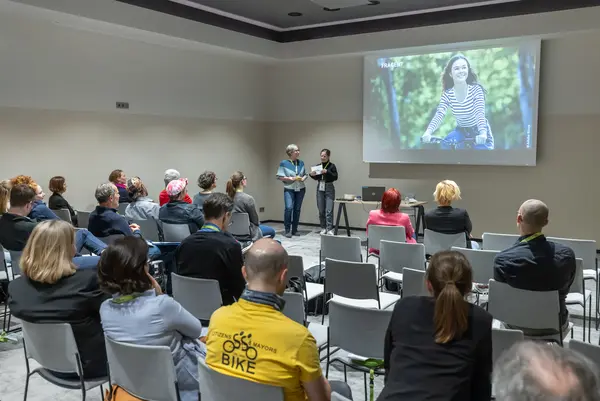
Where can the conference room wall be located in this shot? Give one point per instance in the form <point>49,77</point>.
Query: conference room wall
<point>319,104</point>
<point>190,110</point>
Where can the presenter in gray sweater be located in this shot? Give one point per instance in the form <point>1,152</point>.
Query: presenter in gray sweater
<point>244,203</point>
<point>325,176</point>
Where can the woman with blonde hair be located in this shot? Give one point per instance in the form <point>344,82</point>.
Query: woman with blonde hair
<point>54,289</point>
<point>446,219</point>
<point>439,347</point>
<point>292,174</point>
<point>244,203</point>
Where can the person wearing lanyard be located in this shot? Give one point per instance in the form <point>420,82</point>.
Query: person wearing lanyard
<point>325,176</point>
<point>536,264</point>
<point>292,173</point>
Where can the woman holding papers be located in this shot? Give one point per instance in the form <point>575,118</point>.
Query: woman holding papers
<point>325,173</point>
<point>292,173</point>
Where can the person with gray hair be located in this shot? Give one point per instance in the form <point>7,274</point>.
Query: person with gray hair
<point>536,264</point>
<point>207,183</point>
<point>531,371</point>
<point>292,174</point>
<point>274,350</point>
<point>170,175</point>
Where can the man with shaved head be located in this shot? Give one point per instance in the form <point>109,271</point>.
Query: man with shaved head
<point>253,340</point>
<point>535,263</point>
<point>535,371</point>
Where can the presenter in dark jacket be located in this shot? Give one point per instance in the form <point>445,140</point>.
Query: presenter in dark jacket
<point>55,288</point>
<point>325,191</point>
<point>439,348</point>
<point>58,187</point>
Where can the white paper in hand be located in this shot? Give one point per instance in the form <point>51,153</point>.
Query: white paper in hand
<point>317,169</point>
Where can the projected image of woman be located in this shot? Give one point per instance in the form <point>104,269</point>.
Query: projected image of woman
<point>465,96</point>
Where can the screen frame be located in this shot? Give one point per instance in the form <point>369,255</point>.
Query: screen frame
<point>446,157</point>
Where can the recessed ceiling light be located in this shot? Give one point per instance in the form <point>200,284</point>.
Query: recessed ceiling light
<point>331,9</point>
<point>374,2</point>
<point>295,14</point>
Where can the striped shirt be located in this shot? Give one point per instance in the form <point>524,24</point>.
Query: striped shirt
<point>289,169</point>
<point>468,113</point>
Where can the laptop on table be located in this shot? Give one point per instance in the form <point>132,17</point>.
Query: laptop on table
<point>372,194</point>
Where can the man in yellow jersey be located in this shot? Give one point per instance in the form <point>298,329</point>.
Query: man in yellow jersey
<point>253,340</point>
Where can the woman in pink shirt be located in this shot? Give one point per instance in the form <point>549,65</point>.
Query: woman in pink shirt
<point>390,215</point>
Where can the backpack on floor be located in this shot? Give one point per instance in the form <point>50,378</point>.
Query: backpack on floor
<point>116,393</point>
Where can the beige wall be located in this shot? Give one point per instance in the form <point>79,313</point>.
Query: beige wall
<point>85,147</point>
<point>319,104</point>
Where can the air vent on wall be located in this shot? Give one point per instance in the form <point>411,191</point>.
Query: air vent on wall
<point>341,3</point>
<point>122,105</point>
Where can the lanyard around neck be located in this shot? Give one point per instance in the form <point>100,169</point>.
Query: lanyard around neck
<point>210,227</point>
<point>296,163</point>
<point>126,298</point>
<point>531,237</point>
<point>327,165</point>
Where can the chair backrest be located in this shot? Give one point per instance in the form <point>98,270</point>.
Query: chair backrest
<point>15,262</point>
<point>295,268</point>
<point>294,306</point>
<point>389,233</point>
<point>121,208</point>
<point>63,214</point>
<point>175,232</point>
<point>52,345</point>
<point>522,308</point>
<point>144,371</point>
<point>111,238</point>
<point>340,248</point>
<point>199,296</point>
<point>4,267</point>
<point>337,397</point>
<point>482,263</point>
<point>498,242</point>
<point>83,219</point>
<point>584,249</point>
<point>368,328</point>
<point>215,386</point>
<point>578,285</point>
<point>503,339</point>
<point>240,224</point>
<point>592,351</point>
<point>435,242</point>
<point>351,279</point>
<point>150,228</point>
<point>413,283</point>
<point>394,256</point>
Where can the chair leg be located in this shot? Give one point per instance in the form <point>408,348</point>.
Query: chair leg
<point>26,387</point>
<point>345,374</point>
<point>583,317</point>
<point>590,322</point>
<point>365,379</point>
<point>83,394</point>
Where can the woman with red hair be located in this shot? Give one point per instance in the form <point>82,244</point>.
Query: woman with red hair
<point>390,215</point>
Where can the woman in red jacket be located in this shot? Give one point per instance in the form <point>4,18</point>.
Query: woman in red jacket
<point>390,215</point>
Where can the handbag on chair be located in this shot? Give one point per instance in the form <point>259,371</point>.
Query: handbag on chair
<point>116,393</point>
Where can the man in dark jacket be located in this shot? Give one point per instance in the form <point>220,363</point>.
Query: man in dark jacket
<point>178,211</point>
<point>535,263</point>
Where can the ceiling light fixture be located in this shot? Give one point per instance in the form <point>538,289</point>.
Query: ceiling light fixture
<point>295,14</point>
<point>374,2</point>
<point>331,9</point>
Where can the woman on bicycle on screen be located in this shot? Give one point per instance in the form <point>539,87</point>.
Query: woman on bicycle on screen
<point>464,95</point>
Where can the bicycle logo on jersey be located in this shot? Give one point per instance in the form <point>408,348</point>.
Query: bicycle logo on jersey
<point>246,362</point>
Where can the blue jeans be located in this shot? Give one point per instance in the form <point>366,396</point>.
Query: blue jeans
<point>85,239</point>
<point>86,262</point>
<point>267,231</point>
<point>293,204</point>
<point>461,133</point>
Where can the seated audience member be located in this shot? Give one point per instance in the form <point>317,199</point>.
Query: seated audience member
<point>390,215</point>
<point>536,264</point>
<point>39,211</point>
<point>439,347</point>
<point>105,220</point>
<point>446,219</point>
<point>52,289</point>
<point>141,206</point>
<point>16,227</point>
<point>178,211</point>
<point>221,254</point>
<point>5,187</point>
<point>207,183</point>
<point>58,187</point>
<point>531,371</point>
<point>139,313</point>
<point>119,179</point>
<point>244,203</point>
<point>163,197</point>
<point>284,353</point>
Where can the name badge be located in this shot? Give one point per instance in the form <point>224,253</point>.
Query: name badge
<point>322,186</point>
